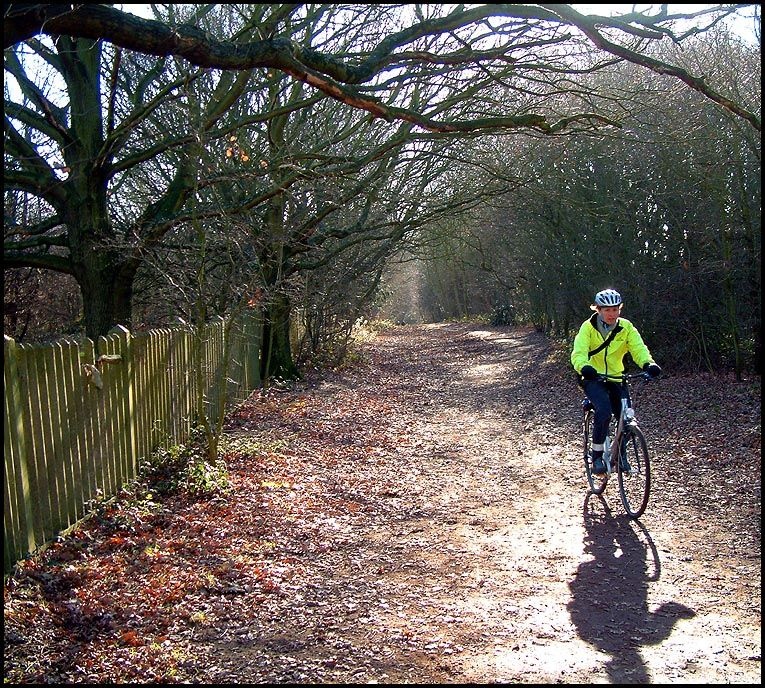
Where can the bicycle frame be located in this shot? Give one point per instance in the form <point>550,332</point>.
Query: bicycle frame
<point>613,446</point>
<point>625,453</point>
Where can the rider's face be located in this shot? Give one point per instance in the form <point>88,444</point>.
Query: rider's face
<point>609,314</point>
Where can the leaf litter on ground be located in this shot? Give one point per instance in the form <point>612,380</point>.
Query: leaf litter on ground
<point>317,564</point>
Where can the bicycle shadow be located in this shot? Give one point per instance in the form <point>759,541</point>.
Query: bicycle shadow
<point>609,593</point>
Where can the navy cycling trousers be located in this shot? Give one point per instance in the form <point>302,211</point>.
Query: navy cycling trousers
<point>606,397</point>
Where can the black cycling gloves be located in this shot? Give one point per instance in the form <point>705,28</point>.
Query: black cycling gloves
<point>652,369</point>
<point>589,373</point>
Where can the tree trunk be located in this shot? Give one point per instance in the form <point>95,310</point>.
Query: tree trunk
<point>106,294</point>
<point>276,359</point>
<point>103,270</point>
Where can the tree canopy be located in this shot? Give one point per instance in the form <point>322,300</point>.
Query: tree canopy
<point>489,39</point>
<point>281,154</point>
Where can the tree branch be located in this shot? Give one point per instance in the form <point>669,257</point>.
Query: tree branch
<point>588,27</point>
<point>46,261</point>
<point>37,176</point>
<point>332,75</point>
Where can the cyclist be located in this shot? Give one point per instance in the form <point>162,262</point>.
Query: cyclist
<point>599,349</point>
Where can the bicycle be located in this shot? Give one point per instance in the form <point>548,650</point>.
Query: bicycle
<point>624,440</point>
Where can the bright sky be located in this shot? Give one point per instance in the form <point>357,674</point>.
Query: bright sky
<point>743,23</point>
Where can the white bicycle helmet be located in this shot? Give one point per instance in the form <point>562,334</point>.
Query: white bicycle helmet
<point>608,297</point>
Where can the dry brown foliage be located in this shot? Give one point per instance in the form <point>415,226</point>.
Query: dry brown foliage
<point>420,517</point>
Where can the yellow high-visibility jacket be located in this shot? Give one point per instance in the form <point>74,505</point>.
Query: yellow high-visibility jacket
<point>608,361</point>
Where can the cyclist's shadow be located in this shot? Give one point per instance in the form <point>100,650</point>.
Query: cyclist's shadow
<point>609,593</point>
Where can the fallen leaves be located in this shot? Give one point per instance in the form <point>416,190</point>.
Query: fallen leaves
<point>356,542</point>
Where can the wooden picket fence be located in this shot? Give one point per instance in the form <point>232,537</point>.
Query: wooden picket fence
<point>80,417</point>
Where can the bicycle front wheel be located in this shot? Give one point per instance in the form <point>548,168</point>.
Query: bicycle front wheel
<point>635,483</point>
<point>597,482</point>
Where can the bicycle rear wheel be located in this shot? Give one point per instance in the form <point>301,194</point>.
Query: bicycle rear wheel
<point>597,482</point>
<point>635,485</point>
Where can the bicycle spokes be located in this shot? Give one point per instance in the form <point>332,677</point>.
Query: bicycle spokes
<point>635,483</point>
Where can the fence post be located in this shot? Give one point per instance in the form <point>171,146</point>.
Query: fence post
<point>125,441</point>
<point>251,335</point>
<point>18,525</point>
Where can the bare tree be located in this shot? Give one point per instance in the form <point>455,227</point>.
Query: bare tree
<point>114,167</point>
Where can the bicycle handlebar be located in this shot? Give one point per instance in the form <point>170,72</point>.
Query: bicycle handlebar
<point>625,376</point>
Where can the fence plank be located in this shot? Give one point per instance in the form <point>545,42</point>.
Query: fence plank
<point>60,449</point>
<point>163,378</point>
<point>155,388</point>
<point>39,433</point>
<point>143,407</point>
<point>119,345</point>
<point>19,537</point>
<point>90,401</point>
<point>103,422</point>
<point>72,385</point>
<point>175,369</point>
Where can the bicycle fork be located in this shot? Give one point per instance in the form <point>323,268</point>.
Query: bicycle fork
<point>626,417</point>
<point>607,458</point>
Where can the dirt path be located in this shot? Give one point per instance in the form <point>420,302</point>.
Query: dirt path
<point>422,518</point>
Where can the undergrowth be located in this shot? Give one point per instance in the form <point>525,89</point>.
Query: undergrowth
<point>185,467</point>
